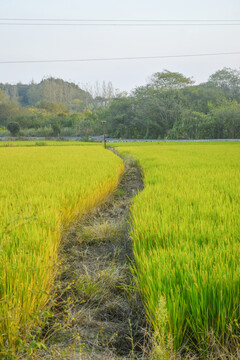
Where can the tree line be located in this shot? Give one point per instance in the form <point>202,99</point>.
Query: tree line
<point>170,105</point>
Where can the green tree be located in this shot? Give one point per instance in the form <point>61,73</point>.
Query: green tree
<point>120,117</point>
<point>14,128</point>
<point>200,98</point>
<point>2,97</point>
<point>191,125</point>
<point>157,110</point>
<point>56,129</point>
<point>8,112</point>
<point>54,107</point>
<point>227,79</point>
<point>227,120</point>
<point>169,80</point>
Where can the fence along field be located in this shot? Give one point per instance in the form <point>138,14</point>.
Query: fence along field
<point>41,190</point>
<point>185,230</point>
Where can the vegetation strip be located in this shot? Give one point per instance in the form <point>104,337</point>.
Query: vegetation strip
<point>168,106</point>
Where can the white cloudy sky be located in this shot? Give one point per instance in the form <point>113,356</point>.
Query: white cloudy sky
<point>75,42</point>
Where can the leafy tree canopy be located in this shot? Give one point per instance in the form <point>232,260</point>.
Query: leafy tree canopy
<point>169,105</point>
<point>14,128</point>
<point>226,79</point>
<point>55,107</point>
<point>167,80</point>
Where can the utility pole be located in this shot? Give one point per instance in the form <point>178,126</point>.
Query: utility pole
<point>104,132</point>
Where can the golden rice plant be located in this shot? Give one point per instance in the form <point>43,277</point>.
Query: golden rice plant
<point>42,189</point>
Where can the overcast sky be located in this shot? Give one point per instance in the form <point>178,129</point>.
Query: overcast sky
<point>77,42</point>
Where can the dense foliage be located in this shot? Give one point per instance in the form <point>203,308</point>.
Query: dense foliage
<point>168,106</point>
<point>171,106</point>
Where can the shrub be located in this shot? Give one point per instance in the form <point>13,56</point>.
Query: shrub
<point>14,128</point>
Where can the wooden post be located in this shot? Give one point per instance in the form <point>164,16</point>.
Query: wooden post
<point>104,133</point>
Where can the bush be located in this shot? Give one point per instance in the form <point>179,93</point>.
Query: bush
<point>68,131</point>
<point>4,131</point>
<point>41,132</point>
<point>56,130</point>
<point>14,128</point>
<point>40,143</point>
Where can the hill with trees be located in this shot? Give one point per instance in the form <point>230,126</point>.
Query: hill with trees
<point>170,105</point>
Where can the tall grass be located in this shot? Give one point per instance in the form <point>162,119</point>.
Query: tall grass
<point>42,189</point>
<point>186,231</point>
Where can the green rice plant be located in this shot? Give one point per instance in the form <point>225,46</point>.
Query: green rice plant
<point>42,190</point>
<point>186,231</point>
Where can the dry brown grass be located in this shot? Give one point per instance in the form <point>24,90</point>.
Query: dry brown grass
<point>101,231</point>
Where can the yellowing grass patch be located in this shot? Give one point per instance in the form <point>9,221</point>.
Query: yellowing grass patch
<point>41,190</point>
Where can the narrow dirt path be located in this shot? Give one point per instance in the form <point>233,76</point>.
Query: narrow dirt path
<point>100,312</point>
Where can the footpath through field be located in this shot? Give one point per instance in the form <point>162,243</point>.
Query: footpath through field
<point>101,315</point>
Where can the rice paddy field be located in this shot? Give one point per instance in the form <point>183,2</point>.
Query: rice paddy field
<point>184,226</point>
<point>186,232</point>
<point>42,190</point>
<point>30,143</point>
